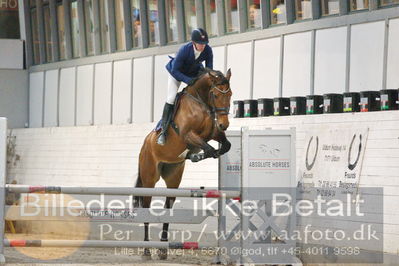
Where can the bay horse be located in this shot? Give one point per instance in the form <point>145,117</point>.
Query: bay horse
<point>202,115</point>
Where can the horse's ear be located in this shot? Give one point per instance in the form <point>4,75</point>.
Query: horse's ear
<point>228,74</point>
<point>213,75</point>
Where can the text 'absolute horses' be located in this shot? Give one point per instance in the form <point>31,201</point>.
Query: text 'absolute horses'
<point>202,115</point>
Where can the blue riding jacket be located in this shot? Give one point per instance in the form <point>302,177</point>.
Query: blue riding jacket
<point>184,67</point>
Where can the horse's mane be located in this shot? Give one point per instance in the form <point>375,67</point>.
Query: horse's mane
<point>205,71</point>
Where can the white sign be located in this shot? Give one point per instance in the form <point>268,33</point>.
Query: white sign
<point>269,161</point>
<point>332,157</point>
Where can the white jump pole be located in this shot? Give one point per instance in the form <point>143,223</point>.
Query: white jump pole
<point>104,244</point>
<point>155,192</point>
<point>3,152</point>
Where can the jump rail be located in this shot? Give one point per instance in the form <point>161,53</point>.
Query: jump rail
<point>104,244</point>
<point>155,192</point>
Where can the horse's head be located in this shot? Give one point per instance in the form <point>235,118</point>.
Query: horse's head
<point>219,98</point>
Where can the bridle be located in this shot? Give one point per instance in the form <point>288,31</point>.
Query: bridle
<point>218,110</point>
<point>212,110</point>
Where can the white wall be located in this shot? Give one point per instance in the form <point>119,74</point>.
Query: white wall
<point>239,60</point>
<point>14,99</point>
<point>51,99</point>
<point>296,65</point>
<point>218,58</point>
<point>36,99</point>
<point>142,90</point>
<point>367,53</point>
<point>160,84</point>
<point>393,55</point>
<point>267,68</point>
<point>122,92</point>
<point>102,93</point>
<point>108,156</point>
<point>11,54</point>
<point>67,96</point>
<point>330,59</point>
<point>84,95</point>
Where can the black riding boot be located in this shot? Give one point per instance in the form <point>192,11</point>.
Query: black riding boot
<point>166,118</point>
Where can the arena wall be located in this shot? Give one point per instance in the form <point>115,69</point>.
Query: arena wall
<point>107,155</point>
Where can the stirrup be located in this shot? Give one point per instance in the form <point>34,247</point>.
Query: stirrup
<point>161,139</point>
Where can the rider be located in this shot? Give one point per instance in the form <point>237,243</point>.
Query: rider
<point>184,68</point>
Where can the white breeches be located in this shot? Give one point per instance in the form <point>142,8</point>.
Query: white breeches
<point>173,86</point>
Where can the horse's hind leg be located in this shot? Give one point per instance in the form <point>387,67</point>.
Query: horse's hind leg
<point>149,174</point>
<point>172,174</point>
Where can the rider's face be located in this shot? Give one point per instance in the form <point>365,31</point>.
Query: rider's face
<point>199,47</point>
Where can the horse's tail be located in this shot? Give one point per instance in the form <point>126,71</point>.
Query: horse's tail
<point>138,200</point>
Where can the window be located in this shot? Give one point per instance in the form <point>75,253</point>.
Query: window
<point>120,26</point>
<point>389,2</point>
<point>47,29</point>
<point>277,9</point>
<point>89,26</point>
<point>136,23</point>
<point>75,29</point>
<point>61,31</point>
<point>303,9</point>
<point>329,7</point>
<point>153,22</point>
<point>359,4</point>
<point>9,20</point>
<point>231,15</point>
<point>190,17</point>
<point>211,18</point>
<point>254,14</point>
<point>104,26</point>
<point>171,22</point>
<point>35,37</point>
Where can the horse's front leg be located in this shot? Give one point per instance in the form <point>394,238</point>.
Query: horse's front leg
<point>163,252</point>
<point>195,140</point>
<point>147,253</point>
<point>225,143</point>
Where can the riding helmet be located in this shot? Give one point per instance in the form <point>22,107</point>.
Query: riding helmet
<point>199,36</point>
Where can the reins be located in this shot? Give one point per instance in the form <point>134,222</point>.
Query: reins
<point>211,108</point>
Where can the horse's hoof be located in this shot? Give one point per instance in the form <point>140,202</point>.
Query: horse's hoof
<point>163,254</point>
<point>146,255</point>
<point>196,157</point>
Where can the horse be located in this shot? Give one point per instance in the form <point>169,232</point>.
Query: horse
<point>201,116</point>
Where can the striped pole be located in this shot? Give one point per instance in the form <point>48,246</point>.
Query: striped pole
<point>155,192</point>
<point>103,244</point>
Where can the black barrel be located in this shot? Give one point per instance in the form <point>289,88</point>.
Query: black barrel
<point>333,103</point>
<point>238,109</point>
<point>314,104</point>
<point>265,107</point>
<point>389,99</point>
<point>298,105</point>
<point>281,106</point>
<point>351,102</point>
<point>369,101</point>
<point>250,108</point>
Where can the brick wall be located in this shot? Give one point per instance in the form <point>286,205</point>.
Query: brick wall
<point>107,155</point>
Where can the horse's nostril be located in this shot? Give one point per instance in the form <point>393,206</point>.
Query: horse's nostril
<point>221,126</point>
